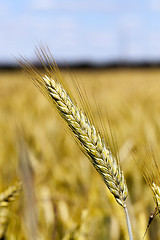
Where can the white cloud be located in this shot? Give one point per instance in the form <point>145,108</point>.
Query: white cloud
<point>155,5</point>
<point>154,44</point>
<point>103,40</point>
<point>72,5</point>
<point>131,22</point>
<point>4,9</point>
<point>42,4</point>
<point>23,32</point>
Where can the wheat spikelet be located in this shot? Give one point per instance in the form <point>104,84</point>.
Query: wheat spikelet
<point>6,198</point>
<point>156,191</point>
<point>89,138</point>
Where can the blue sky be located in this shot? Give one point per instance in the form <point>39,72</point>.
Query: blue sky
<point>74,30</point>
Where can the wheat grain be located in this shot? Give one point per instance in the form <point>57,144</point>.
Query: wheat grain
<point>89,138</point>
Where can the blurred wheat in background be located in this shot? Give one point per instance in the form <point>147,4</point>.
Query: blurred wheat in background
<point>60,187</point>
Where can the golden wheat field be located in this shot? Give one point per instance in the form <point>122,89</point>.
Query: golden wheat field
<point>62,196</point>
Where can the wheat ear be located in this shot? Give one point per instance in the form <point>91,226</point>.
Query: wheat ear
<point>150,168</point>
<point>91,141</point>
<point>9,194</point>
<point>6,198</point>
<point>156,191</point>
<point>92,144</point>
